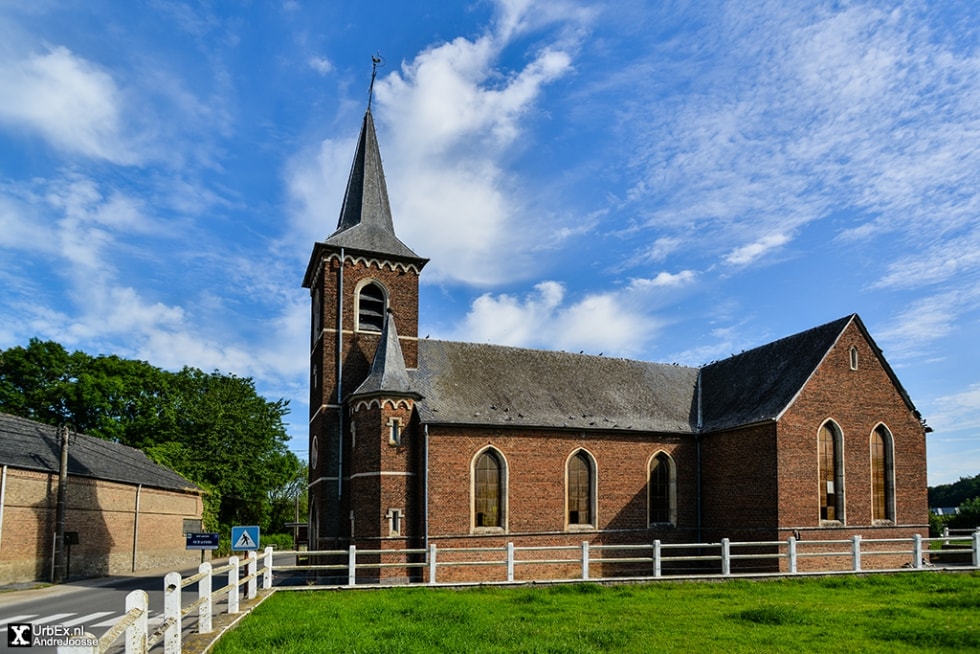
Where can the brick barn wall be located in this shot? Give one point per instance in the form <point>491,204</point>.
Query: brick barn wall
<point>103,514</point>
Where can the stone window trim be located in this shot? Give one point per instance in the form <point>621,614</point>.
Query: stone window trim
<point>882,456</point>
<point>491,525</point>
<point>396,519</point>
<point>370,305</point>
<point>668,508</point>
<point>584,462</point>
<point>395,429</point>
<point>831,486</point>
<point>854,358</point>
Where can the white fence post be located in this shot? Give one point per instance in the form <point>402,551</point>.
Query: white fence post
<point>204,593</point>
<point>510,561</point>
<point>432,563</point>
<point>253,567</point>
<point>136,632</point>
<point>352,565</point>
<point>233,583</point>
<point>791,554</point>
<point>171,613</point>
<point>976,548</point>
<point>656,558</point>
<point>917,551</point>
<point>726,557</point>
<point>856,552</point>
<point>267,575</point>
<point>585,560</point>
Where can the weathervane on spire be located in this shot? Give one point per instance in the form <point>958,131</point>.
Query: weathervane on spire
<point>376,60</point>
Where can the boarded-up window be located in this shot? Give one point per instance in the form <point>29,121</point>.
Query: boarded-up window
<point>660,489</point>
<point>488,490</point>
<point>579,490</point>
<point>882,494</point>
<point>831,474</point>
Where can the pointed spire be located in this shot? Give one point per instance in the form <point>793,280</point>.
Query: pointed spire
<point>365,218</point>
<point>388,375</point>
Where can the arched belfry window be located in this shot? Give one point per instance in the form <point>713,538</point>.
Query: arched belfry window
<point>488,490</point>
<point>830,463</point>
<point>662,490</point>
<point>371,305</point>
<point>581,489</point>
<point>882,475</point>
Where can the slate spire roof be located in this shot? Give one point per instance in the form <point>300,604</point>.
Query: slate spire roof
<point>388,375</point>
<point>31,445</point>
<point>365,217</point>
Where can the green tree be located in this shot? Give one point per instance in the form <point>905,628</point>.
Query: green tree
<point>213,428</point>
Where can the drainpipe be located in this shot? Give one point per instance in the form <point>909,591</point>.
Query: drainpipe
<point>697,438</point>
<point>3,498</point>
<point>425,489</point>
<point>340,383</point>
<point>136,524</point>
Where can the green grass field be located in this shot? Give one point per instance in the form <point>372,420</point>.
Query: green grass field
<point>916,612</point>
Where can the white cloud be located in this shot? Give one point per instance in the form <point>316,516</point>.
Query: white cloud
<point>747,254</point>
<point>620,322</point>
<point>69,101</point>
<point>320,64</point>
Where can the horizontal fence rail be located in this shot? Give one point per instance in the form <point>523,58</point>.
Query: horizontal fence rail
<point>134,624</point>
<point>430,561</point>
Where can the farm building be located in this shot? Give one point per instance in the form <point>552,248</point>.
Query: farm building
<point>123,512</point>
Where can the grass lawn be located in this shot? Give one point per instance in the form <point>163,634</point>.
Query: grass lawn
<point>914,612</point>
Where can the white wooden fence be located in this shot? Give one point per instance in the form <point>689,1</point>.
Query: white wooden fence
<point>652,556</point>
<point>134,625</point>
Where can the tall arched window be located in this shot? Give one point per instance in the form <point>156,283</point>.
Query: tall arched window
<point>580,489</point>
<point>371,308</point>
<point>882,475</point>
<point>831,472</point>
<point>488,490</point>
<point>661,490</point>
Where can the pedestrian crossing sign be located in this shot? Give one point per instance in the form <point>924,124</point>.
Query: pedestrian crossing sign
<point>245,538</point>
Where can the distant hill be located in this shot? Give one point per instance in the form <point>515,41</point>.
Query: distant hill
<point>950,495</point>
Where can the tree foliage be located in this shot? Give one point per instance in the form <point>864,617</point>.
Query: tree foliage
<point>212,428</point>
<point>955,494</point>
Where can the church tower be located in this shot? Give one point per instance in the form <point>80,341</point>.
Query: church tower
<point>362,280</point>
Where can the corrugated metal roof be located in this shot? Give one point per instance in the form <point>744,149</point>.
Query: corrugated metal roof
<point>31,445</point>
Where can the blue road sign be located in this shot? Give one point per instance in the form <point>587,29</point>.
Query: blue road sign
<point>202,541</point>
<point>245,538</point>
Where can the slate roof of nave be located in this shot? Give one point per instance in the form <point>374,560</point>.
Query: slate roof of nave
<point>478,384</point>
<point>31,445</point>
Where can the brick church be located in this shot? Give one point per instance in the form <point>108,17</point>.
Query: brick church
<point>417,441</point>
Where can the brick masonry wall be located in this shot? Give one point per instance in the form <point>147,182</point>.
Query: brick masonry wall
<point>857,401</point>
<point>357,354</point>
<point>535,479</point>
<point>104,515</point>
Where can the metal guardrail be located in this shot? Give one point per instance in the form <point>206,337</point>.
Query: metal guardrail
<point>582,557</point>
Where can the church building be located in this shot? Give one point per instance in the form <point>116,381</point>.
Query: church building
<point>416,441</point>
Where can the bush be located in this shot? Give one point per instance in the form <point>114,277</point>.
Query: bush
<point>968,517</point>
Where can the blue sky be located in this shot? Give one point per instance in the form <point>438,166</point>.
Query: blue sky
<point>674,183</point>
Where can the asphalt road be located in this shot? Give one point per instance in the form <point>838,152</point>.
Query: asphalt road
<point>96,604</point>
